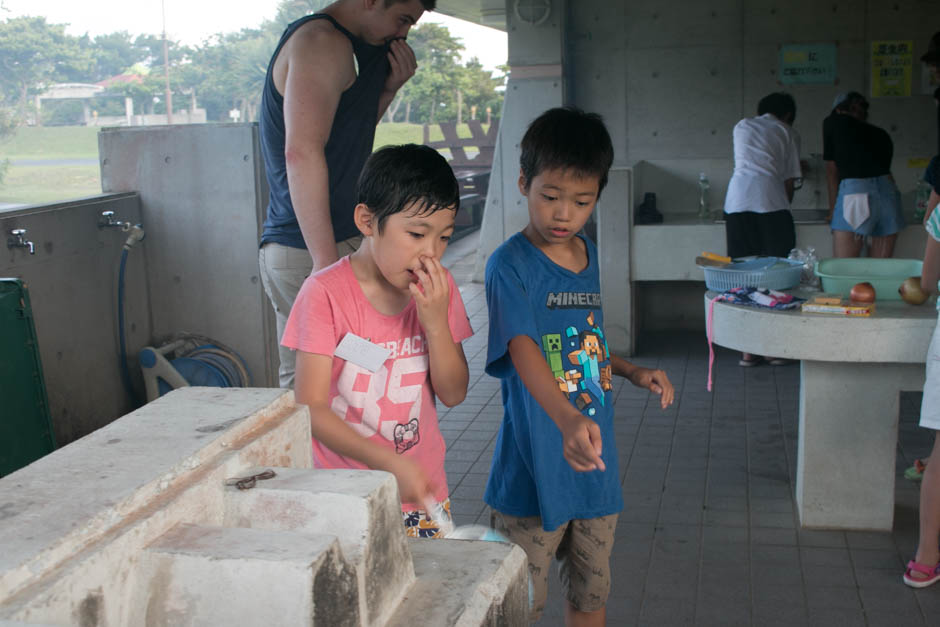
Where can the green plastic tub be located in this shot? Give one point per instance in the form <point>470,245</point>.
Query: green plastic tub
<point>886,275</point>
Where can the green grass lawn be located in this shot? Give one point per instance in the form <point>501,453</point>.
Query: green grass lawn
<point>33,185</point>
<point>43,184</point>
<point>51,142</point>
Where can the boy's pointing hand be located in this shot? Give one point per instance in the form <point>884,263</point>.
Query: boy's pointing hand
<point>582,444</point>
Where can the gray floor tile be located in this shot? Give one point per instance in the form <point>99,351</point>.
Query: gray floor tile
<point>709,534</point>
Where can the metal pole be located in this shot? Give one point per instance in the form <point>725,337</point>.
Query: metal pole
<point>166,69</point>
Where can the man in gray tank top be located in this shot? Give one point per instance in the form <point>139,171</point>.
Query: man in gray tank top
<point>329,82</point>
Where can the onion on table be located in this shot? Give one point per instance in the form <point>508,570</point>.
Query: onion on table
<point>862,293</point>
<point>912,292</point>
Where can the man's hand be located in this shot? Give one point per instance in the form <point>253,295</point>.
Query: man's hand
<point>432,295</point>
<point>655,381</point>
<point>581,438</point>
<point>403,65</point>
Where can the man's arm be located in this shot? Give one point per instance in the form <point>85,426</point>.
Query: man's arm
<point>311,93</point>
<point>582,436</point>
<point>313,389</point>
<point>655,381</point>
<point>403,64</point>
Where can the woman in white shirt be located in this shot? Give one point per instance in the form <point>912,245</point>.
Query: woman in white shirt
<point>766,170</point>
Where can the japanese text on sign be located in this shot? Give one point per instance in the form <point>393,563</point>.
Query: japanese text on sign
<point>891,66</point>
<point>808,63</point>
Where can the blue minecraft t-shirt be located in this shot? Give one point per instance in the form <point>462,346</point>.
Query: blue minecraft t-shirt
<point>529,294</point>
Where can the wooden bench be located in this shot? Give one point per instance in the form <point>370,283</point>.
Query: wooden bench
<point>473,173</point>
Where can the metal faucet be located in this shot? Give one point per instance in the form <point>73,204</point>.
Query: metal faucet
<point>107,220</point>
<point>19,241</point>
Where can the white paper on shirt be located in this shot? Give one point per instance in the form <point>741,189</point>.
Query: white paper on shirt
<point>855,209</point>
<point>362,352</point>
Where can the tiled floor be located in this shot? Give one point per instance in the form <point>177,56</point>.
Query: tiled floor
<point>709,535</point>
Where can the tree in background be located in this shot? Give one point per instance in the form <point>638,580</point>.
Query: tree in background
<point>229,74</point>
<point>34,55</point>
<point>433,85</point>
<point>114,54</point>
<point>226,72</point>
<point>290,10</point>
<point>442,90</point>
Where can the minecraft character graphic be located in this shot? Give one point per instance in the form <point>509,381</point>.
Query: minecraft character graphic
<point>568,382</point>
<point>588,357</point>
<point>590,350</point>
<point>551,344</point>
<point>605,378</point>
<point>605,371</point>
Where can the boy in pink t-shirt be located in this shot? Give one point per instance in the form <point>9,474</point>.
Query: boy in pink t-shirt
<point>393,293</point>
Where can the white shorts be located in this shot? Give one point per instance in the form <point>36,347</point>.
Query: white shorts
<point>930,407</point>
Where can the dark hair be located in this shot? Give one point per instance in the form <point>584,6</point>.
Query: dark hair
<point>428,4</point>
<point>850,98</point>
<point>779,104</point>
<point>567,138</point>
<point>397,176</point>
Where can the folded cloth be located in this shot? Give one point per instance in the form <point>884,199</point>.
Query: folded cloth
<point>760,297</point>
<point>751,297</point>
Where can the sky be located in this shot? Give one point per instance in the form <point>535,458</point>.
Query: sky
<point>192,21</point>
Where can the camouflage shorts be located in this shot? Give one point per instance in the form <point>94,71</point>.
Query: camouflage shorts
<point>418,525</point>
<point>582,548</point>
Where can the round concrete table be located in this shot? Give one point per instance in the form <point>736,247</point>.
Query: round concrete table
<point>852,370</point>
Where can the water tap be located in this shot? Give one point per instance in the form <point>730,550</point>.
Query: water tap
<point>19,241</point>
<point>107,220</point>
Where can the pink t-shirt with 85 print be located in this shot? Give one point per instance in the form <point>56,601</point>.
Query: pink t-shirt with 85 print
<point>394,406</point>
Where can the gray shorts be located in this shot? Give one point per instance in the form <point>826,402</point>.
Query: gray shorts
<point>283,271</point>
<point>582,548</point>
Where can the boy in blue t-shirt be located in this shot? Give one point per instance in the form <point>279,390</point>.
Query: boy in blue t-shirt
<point>555,490</point>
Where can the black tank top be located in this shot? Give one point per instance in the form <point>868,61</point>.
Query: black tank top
<point>348,147</point>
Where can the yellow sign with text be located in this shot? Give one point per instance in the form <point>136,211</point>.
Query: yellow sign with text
<point>891,68</point>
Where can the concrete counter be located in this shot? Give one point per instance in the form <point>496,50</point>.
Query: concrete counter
<point>895,333</point>
<point>667,251</point>
<point>851,373</point>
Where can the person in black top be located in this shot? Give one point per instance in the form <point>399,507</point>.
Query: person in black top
<point>863,198</point>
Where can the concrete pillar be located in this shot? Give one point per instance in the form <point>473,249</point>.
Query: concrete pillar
<point>535,84</point>
<point>128,109</point>
<point>848,437</point>
<point>596,79</point>
<point>614,226</point>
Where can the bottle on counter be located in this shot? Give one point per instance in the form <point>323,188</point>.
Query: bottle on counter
<point>704,208</point>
